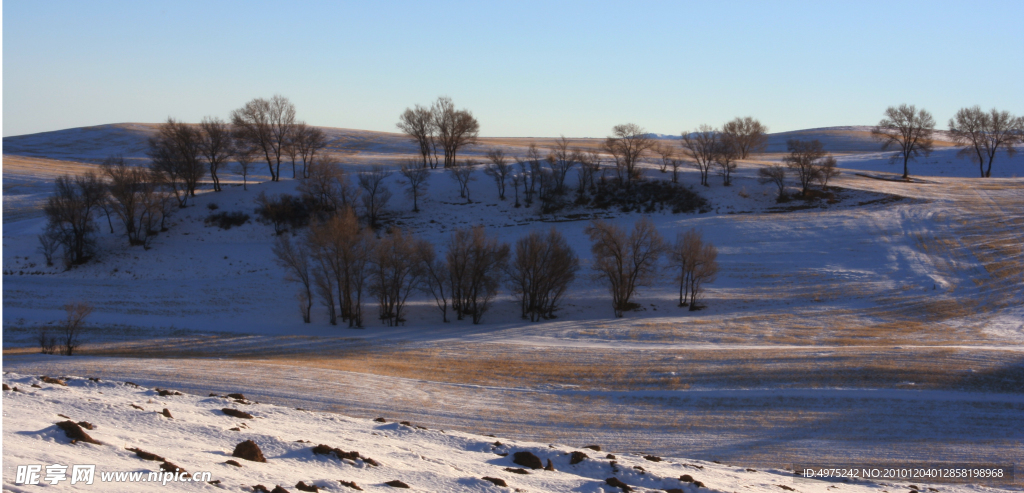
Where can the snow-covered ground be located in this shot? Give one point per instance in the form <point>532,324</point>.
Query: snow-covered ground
<point>198,437</point>
<point>886,326</point>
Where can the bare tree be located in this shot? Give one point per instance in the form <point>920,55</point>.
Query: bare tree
<point>71,330</point>
<point>561,159</point>
<point>982,134</point>
<point>675,163</point>
<point>217,146</point>
<point>436,278</point>
<point>133,198</point>
<point>49,243</point>
<point>749,135</point>
<point>462,173</point>
<point>701,145</point>
<point>420,124</point>
<point>455,128</point>
<point>499,169</point>
<point>530,167</point>
<point>475,264</point>
<point>774,173</point>
<point>69,213</point>
<point>296,259</point>
<point>516,178</point>
<point>666,153</point>
<point>540,273</point>
<point>908,130</point>
<point>626,262</point>
<point>396,274</point>
<point>590,165</point>
<point>417,181</point>
<point>266,125</point>
<point>704,270</point>
<point>805,158</point>
<point>176,154</point>
<point>245,156</point>
<point>627,146</point>
<point>375,194</point>
<point>695,264</point>
<point>344,248</point>
<point>828,170</point>
<point>308,142</point>
<point>727,151</point>
<point>327,187</point>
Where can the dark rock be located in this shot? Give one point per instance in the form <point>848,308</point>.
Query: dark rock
<point>171,467</point>
<point>235,429</point>
<point>167,413</point>
<point>94,379</point>
<point>87,425</point>
<point>652,458</point>
<point>36,386</point>
<point>613,481</point>
<point>914,487</point>
<point>212,394</point>
<point>379,420</point>
<point>350,484</point>
<point>496,481</point>
<point>138,407</point>
<point>787,488</point>
<point>686,478</point>
<point>248,450</point>
<point>577,457</point>
<point>610,456</point>
<point>549,467</point>
<point>76,433</point>
<point>595,448</point>
<point>260,488</point>
<point>165,393</point>
<point>396,484</point>
<point>674,490</point>
<point>142,454</point>
<point>6,387</point>
<point>278,489</point>
<point>698,484</point>
<point>301,486</point>
<point>236,413</point>
<point>751,470</point>
<point>54,381</point>
<point>527,459</point>
<point>236,396</point>
<point>233,462</point>
<point>516,470</point>
<point>214,482</point>
<point>133,384</point>
<point>406,423</point>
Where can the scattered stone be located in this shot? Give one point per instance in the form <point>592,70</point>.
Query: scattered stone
<point>142,454</point>
<point>595,448</point>
<point>699,467</point>
<point>497,443</point>
<point>751,470</point>
<point>527,459</point>
<point>933,489</point>
<point>213,394</point>
<point>260,488</point>
<point>137,407</point>
<point>653,458</point>
<point>75,432</point>
<point>379,420</point>
<point>301,486</point>
<point>698,484</point>
<point>517,470</point>
<point>610,456</point>
<point>350,484</point>
<point>36,386</point>
<point>302,441</point>
<point>6,387</point>
<point>686,478</point>
<point>396,484</point>
<point>577,457</point>
<point>167,413</point>
<point>214,482</point>
<point>233,462</point>
<point>278,489</point>
<point>496,481</point>
<point>171,467</point>
<point>54,381</point>
<point>165,393</point>
<point>16,389</point>
<point>341,454</point>
<point>64,416</point>
<point>236,413</point>
<point>236,396</point>
<point>674,490</point>
<point>613,481</point>
<point>787,488</point>
<point>502,454</point>
<point>133,384</point>
<point>406,423</point>
<point>94,379</point>
<point>549,467</point>
<point>235,429</point>
<point>87,425</point>
<point>248,450</point>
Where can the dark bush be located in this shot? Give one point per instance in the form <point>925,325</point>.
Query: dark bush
<point>212,206</point>
<point>283,211</point>
<point>647,196</point>
<point>225,220</point>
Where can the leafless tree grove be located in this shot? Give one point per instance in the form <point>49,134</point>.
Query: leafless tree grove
<point>375,194</point>
<point>69,214</point>
<point>462,173</point>
<point>807,158</point>
<point>420,125</point>
<point>695,263</point>
<point>416,180</point>
<point>266,125</point>
<point>71,329</point>
<point>625,262</point>
<point>296,259</point>
<point>217,146</point>
<point>748,134</point>
<point>540,273</point>
<point>499,169</point>
<point>176,154</point>
<point>701,145</point>
<point>475,265</point>
<point>455,128</point>
<point>775,174</point>
<point>982,134</point>
<point>132,195</point>
<point>908,130</point>
<point>627,146</point>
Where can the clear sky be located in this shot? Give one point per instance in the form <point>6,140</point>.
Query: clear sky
<point>523,68</point>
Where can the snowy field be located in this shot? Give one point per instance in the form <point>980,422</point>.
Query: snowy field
<point>885,327</point>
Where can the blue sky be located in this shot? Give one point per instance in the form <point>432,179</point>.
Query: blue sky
<point>523,68</point>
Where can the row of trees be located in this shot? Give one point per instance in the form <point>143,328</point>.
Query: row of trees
<point>979,134</point>
<point>439,126</point>
<point>338,261</point>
